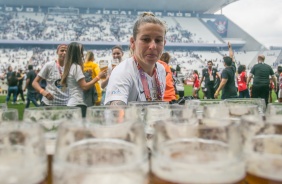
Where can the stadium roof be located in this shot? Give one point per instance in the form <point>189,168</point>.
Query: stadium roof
<point>200,6</point>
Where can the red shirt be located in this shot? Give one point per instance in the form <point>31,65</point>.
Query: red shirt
<point>196,81</point>
<point>242,82</point>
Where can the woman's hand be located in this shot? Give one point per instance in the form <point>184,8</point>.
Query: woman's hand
<point>48,95</point>
<point>103,74</point>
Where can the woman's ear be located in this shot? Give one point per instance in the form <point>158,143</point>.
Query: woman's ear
<point>132,43</point>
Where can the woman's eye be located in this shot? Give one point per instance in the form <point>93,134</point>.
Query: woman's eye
<point>146,39</point>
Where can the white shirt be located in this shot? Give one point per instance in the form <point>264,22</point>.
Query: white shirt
<point>51,73</point>
<point>76,93</point>
<point>125,83</point>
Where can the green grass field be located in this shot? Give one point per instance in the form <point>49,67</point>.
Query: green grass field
<point>188,92</point>
<point>20,107</point>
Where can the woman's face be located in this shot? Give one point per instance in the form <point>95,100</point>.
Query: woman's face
<point>62,53</point>
<point>117,54</point>
<point>149,43</point>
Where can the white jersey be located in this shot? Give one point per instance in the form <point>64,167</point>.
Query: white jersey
<point>51,74</point>
<point>125,83</point>
<point>76,93</point>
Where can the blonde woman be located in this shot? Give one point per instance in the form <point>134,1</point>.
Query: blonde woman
<point>92,67</point>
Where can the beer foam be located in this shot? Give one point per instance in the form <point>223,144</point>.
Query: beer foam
<point>197,161</point>
<point>88,176</point>
<point>265,167</point>
<point>265,157</point>
<point>229,171</point>
<point>28,171</point>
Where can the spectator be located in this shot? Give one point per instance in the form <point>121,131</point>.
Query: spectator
<point>141,77</point>
<point>31,92</point>
<point>242,82</point>
<point>280,84</point>
<point>117,53</point>
<point>227,84</point>
<point>12,87</point>
<point>20,77</point>
<point>261,73</point>
<point>209,75</point>
<point>196,84</point>
<point>170,89</point>
<point>277,75</point>
<point>92,68</point>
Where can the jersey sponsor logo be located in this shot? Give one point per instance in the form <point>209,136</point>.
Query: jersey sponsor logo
<point>116,92</point>
<point>58,84</point>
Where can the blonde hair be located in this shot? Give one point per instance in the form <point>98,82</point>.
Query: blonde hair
<point>89,56</point>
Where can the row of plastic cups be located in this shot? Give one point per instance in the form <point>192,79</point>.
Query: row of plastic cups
<point>184,151</point>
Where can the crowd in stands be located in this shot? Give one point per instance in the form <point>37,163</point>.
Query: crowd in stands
<point>84,27</point>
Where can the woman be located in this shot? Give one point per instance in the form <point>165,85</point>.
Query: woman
<point>280,84</point>
<point>52,72</point>
<point>93,68</point>
<point>242,82</point>
<point>170,88</point>
<point>141,77</point>
<point>196,84</point>
<point>117,54</point>
<point>73,76</point>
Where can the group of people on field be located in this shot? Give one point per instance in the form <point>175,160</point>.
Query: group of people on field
<point>144,76</point>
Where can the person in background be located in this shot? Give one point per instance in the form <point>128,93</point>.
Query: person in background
<point>117,53</point>
<point>141,77</point>
<point>196,84</point>
<point>209,75</point>
<point>261,73</point>
<point>169,94</point>
<point>227,84</point>
<point>31,92</point>
<point>74,79</point>
<point>280,84</point>
<point>92,67</point>
<point>277,75</point>
<point>52,72</point>
<point>20,77</point>
<point>12,87</point>
<point>242,82</point>
<point>271,88</point>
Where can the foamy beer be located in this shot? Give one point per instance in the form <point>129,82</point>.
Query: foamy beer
<point>90,153</point>
<point>103,64</point>
<point>105,115</point>
<point>115,62</point>
<point>264,153</point>
<point>50,117</point>
<point>274,109</point>
<point>22,153</point>
<point>199,105</point>
<point>140,107</point>
<point>155,113</point>
<point>203,154</point>
<point>247,101</point>
<point>230,111</point>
